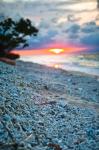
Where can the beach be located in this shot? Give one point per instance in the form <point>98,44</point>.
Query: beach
<point>43,108</point>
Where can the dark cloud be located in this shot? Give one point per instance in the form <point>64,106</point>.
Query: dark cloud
<point>98,4</point>
<point>91,39</point>
<point>90,35</point>
<point>90,27</point>
<point>73,28</point>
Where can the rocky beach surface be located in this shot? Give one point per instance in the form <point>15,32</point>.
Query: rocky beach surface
<point>42,108</point>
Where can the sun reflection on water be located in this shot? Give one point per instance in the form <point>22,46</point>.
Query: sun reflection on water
<point>56,66</point>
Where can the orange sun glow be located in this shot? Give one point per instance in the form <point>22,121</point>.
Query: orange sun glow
<point>48,51</point>
<point>56,50</point>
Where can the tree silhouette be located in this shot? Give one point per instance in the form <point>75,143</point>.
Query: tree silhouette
<point>13,34</point>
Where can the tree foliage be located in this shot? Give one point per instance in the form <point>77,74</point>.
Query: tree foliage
<point>13,34</point>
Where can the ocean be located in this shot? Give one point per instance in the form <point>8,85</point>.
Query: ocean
<point>86,63</point>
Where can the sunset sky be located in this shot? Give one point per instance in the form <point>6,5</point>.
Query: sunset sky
<point>72,25</point>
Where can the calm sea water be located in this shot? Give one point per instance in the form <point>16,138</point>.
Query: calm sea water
<point>87,63</point>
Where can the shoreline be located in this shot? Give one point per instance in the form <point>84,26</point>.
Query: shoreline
<point>42,107</point>
<point>87,64</point>
<point>67,70</point>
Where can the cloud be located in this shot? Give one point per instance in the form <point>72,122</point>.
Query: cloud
<point>73,28</point>
<point>91,39</point>
<point>90,27</point>
<point>90,35</point>
<point>42,41</point>
<point>57,20</point>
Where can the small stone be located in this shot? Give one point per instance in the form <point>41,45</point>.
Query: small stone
<point>94,90</point>
<point>80,89</point>
<point>68,80</point>
<point>90,133</point>
<point>46,88</point>
<point>62,116</point>
<point>73,83</point>
<point>41,123</point>
<point>52,113</point>
<point>7,117</point>
<point>62,103</point>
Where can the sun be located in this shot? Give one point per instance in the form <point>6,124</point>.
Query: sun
<point>56,50</point>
